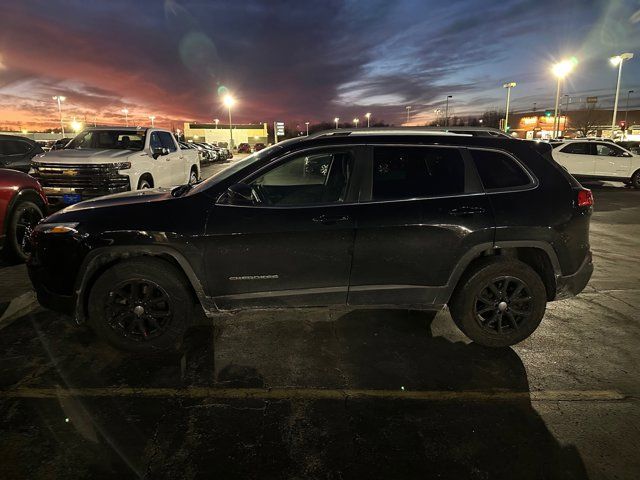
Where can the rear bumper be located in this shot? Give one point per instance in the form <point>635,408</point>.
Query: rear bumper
<point>570,285</point>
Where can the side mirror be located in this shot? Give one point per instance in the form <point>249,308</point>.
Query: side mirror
<point>240,194</point>
<point>158,152</point>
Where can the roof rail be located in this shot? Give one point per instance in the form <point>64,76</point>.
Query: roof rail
<point>384,131</point>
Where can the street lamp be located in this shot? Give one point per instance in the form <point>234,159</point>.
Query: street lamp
<point>408,107</point>
<point>126,115</point>
<point>336,120</point>
<point>307,124</point>
<point>152,118</point>
<point>59,99</point>
<point>508,86</point>
<point>229,102</point>
<point>626,111</point>
<point>368,115</point>
<point>355,121</point>
<point>216,121</point>
<point>561,70</point>
<point>446,115</point>
<point>617,61</point>
<point>75,125</point>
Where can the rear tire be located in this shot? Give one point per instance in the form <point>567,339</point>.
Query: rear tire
<point>635,180</point>
<point>142,305</point>
<point>143,183</point>
<point>499,302</point>
<point>24,217</point>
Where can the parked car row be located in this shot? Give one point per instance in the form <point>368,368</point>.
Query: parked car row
<point>209,152</point>
<point>598,159</point>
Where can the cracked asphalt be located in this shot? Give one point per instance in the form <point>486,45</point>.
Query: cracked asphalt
<point>339,394</point>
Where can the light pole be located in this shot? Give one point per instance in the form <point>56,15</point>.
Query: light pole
<point>60,99</point>
<point>368,116</point>
<point>336,120</point>
<point>408,107</point>
<point>567,99</point>
<point>560,70</point>
<point>617,61</point>
<point>216,121</point>
<point>355,122</point>
<point>626,110</point>
<point>446,115</point>
<point>229,102</point>
<point>152,118</point>
<point>437,111</point>
<point>307,125</point>
<point>508,86</point>
<point>126,116</point>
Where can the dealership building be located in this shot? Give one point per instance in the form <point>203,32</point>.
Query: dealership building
<point>578,122</point>
<point>215,133</point>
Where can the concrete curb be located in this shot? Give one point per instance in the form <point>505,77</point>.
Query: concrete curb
<point>17,308</point>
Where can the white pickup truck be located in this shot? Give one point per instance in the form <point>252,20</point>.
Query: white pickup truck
<point>104,160</point>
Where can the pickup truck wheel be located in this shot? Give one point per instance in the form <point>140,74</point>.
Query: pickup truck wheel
<point>499,302</point>
<point>144,183</point>
<point>635,180</point>
<point>193,176</point>
<point>23,219</point>
<point>141,306</point>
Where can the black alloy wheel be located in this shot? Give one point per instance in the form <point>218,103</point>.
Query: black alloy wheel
<point>503,305</point>
<point>139,309</point>
<point>24,218</point>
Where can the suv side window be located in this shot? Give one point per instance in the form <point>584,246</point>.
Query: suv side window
<point>167,141</point>
<point>416,172</point>
<point>315,178</point>
<point>580,148</point>
<point>498,170</point>
<point>15,147</point>
<point>603,150</point>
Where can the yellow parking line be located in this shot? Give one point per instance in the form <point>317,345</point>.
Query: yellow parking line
<point>313,394</point>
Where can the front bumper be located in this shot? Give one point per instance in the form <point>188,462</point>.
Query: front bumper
<point>53,301</point>
<point>568,286</point>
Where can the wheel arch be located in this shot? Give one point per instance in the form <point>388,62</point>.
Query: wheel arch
<point>101,259</point>
<point>540,256</point>
<point>145,175</point>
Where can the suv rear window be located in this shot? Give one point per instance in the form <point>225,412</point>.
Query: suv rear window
<point>414,172</point>
<point>498,170</point>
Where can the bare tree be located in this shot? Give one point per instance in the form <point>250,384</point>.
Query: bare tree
<point>585,119</point>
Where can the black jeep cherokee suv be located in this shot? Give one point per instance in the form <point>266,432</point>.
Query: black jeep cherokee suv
<point>493,227</point>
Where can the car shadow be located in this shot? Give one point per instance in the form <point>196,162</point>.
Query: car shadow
<point>379,396</point>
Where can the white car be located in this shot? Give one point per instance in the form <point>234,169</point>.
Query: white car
<point>598,160</point>
<point>105,160</point>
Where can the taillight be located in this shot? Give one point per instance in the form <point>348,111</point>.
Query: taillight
<point>585,198</point>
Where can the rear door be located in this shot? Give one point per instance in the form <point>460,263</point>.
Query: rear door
<point>576,157</point>
<point>422,210</point>
<point>176,174</point>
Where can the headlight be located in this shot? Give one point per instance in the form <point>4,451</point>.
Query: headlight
<point>122,165</point>
<point>57,227</point>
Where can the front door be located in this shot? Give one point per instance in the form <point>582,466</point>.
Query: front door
<point>611,160</point>
<point>293,245</point>
<point>425,209</point>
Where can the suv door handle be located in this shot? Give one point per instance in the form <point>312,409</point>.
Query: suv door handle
<point>466,211</point>
<point>331,219</point>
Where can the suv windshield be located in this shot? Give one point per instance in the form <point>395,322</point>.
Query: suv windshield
<point>109,139</point>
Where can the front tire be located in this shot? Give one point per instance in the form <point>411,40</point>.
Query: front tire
<point>143,183</point>
<point>142,305</point>
<point>193,175</point>
<point>23,219</point>
<point>499,302</point>
<point>635,180</point>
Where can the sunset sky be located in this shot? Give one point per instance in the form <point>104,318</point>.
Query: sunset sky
<point>303,60</point>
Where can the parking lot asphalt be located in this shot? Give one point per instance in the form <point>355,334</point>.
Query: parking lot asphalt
<point>340,394</point>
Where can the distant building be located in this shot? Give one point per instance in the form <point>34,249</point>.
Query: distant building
<point>579,121</point>
<point>212,133</point>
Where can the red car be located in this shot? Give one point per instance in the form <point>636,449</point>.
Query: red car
<point>244,148</point>
<point>22,206</point>
<point>258,146</point>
